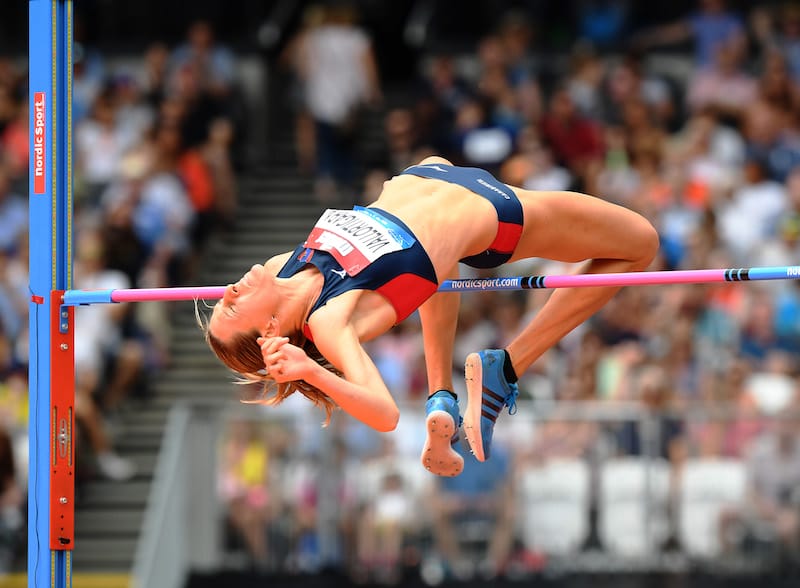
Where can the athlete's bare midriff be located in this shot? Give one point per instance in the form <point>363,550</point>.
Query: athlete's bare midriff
<point>450,221</point>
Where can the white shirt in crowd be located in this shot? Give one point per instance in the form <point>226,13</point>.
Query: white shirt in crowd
<point>95,329</point>
<point>337,82</point>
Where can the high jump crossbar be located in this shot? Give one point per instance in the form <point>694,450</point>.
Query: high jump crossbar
<point>83,297</point>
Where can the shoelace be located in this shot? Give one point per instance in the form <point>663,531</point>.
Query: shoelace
<point>511,399</point>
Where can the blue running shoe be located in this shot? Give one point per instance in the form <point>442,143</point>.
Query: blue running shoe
<point>487,393</point>
<point>442,421</point>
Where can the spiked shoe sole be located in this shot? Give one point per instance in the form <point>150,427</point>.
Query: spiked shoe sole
<point>438,455</point>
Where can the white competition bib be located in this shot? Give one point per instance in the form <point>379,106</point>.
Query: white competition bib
<point>357,237</point>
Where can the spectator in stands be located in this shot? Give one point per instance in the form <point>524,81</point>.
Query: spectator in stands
<point>99,344</point>
<point>7,360</point>
<point>384,528</point>
<point>9,101</point>
<point>440,93</point>
<point>623,321</point>
<point>724,85</point>
<point>89,74</point>
<point>154,74</point>
<point>14,136</point>
<point>516,35</point>
<point>771,135</point>
<point>198,179</point>
<point>134,114</point>
<point>561,436</point>
<point>341,78</point>
<point>293,61</point>
<point>628,80</point>
<point>787,312</point>
<point>710,26</point>
<point>758,336</point>
<point>777,30</point>
<point>189,106</point>
<point>320,481</point>
<point>689,377</point>
<point>730,419</point>
<point>14,413</point>
<point>704,159</point>
<point>163,214</point>
<point>217,153</point>
<point>576,141</point>
<point>477,505</point>
<point>533,166</point>
<point>13,298</point>
<point>13,214</point>
<point>245,486</point>
<point>477,140</point>
<point>475,329</point>
<point>649,386</point>
<point>773,464</point>
<point>203,81</point>
<point>399,359</point>
<point>12,502</point>
<point>100,143</point>
<point>751,214</point>
<point>506,82</point>
<point>775,85</point>
<point>584,79</point>
<point>640,131</point>
<point>213,63</point>
<point>403,144</point>
<point>772,383</point>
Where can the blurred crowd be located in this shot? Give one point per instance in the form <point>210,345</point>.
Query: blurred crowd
<point>695,125</point>
<point>155,172</point>
<point>668,423</point>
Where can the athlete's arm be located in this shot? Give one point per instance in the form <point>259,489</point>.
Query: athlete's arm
<point>361,393</point>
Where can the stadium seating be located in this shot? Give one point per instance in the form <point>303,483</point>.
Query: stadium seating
<point>633,505</point>
<point>707,488</point>
<point>554,501</point>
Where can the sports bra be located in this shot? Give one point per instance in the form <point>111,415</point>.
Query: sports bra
<point>406,278</point>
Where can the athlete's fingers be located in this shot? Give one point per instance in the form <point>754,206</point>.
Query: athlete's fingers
<point>271,344</point>
<point>275,357</point>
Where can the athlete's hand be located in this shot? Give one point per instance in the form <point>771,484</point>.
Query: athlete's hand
<point>283,361</point>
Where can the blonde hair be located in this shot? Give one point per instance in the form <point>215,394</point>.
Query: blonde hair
<point>242,354</point>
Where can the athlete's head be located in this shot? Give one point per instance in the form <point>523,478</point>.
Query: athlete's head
<point>246,306</point>
<point>246,312</point>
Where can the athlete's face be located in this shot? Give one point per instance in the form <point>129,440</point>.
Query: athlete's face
<point>245,306</point>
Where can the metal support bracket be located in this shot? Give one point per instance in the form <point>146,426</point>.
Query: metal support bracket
<point>62,425</point>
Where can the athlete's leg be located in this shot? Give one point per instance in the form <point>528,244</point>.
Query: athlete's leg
<point>564,226</point>
<point>572,227</point>
<point>439,315</point>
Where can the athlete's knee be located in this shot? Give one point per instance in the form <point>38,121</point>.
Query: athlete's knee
<point>644,242</point>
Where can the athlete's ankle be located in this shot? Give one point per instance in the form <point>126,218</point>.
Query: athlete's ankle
<point>450,392</point>
<point>508,369</point>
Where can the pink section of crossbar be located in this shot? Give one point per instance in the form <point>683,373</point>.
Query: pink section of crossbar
<point>636,278</point>
<point>155,294</point>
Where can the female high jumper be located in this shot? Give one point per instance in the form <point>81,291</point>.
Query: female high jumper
<point>298,321</point>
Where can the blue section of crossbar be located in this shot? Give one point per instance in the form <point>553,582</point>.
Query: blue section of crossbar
<point>80,297</point>
<point>773,273</point>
